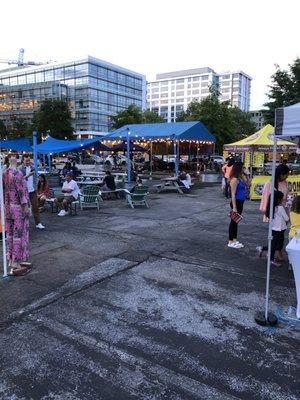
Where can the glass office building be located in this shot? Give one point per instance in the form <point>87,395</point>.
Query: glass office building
<point>93,88</point>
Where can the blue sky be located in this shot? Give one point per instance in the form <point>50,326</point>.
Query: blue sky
<point>158,36</point>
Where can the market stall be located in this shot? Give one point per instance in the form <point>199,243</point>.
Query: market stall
<point>256,152</point>
<point>287,126</point>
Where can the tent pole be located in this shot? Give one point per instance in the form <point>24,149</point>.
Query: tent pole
<point>128,156</point>
<point>251,163</point>
<point>49,161</point>
<point>35,159</point>
<point>266,317</point>
<point>3,221</point>
<point>175,155</point>
<point>151,159</point>
<point>178,156</point>
<point>197,159</point>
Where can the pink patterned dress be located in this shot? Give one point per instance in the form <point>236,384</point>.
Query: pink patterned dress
<point>16,216</point>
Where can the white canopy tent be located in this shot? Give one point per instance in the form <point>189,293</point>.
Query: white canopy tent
<point>287,126</point>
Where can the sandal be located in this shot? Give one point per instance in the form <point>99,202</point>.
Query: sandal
<point>19,271</point>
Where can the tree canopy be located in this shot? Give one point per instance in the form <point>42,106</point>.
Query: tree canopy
<point>134,115</point>
<point>226,123</point>
<point>3,130</point>
<point>54,116</point>
<point>284,90</point>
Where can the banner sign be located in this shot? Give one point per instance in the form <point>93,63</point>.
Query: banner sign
<point>258,182</point>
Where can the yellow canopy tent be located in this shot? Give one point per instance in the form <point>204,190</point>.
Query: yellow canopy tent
<point>256,145</point>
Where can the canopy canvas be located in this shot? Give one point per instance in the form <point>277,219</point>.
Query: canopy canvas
<point>55,146</point>
<point>192,130</point>
<point>260,141</point>
<point>22,144</point>
<point>287,123</point>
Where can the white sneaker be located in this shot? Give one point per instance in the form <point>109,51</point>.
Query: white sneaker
<point>40,226</point>
<point>62,213</point>
<point>235,245</point>
<point>239,244</point>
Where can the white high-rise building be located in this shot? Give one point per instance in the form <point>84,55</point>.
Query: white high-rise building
<point>235,87</point>
<point>172,92</point>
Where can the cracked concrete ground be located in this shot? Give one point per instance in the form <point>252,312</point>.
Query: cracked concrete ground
<point>147,304</point>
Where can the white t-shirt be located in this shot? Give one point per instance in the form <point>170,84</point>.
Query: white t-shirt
<point>280,219</point>
<point>29,181</point>
<point>73,186</point>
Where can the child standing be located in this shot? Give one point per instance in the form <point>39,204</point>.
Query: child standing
<point>279,225</point>
<point>295,217</point>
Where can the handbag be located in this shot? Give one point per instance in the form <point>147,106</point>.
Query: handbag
<point>235,216</point>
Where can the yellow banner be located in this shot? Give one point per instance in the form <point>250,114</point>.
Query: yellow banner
<point>257,185</point>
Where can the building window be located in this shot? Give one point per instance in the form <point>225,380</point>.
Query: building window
<point>225,77</point>
<point>179,81</point>
<point>205,77</point>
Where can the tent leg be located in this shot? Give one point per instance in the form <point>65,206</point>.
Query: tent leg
<point>3,223</point>
<point>266,317</point>
<point>151,160</point>
<point>35,159</point>
<point>128,156</point>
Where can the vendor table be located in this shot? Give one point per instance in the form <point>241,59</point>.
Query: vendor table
<point>293,250</point>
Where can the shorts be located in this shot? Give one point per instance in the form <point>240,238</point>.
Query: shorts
<point>68,199</point>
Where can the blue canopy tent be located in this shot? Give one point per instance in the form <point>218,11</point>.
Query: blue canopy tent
<point>16,145</point>
<point>55,146</point>
<point>176,131</point>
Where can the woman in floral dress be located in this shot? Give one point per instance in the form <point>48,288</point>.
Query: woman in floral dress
<point>17,215</point>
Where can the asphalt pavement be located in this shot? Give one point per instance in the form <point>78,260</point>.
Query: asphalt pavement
<point>148,304</point>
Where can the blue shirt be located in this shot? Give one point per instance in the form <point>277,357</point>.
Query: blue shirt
<point>241,190</point>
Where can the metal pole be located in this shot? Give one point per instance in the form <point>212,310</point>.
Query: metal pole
<point>3,222</point>
<point>175,155</point>
<point>197,159</point>
<point>270,229</point>
<point>151,159</point>
<point>251,163</point>
<point>49,162</point>
<point>128,156</point>
<point>35,159</point>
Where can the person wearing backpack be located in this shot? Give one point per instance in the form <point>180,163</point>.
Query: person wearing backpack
<point>238,190</point>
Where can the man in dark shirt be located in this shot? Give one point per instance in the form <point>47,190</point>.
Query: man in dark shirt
<point>108,182</point>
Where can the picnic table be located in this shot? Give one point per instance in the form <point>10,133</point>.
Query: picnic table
<point>170,183</point>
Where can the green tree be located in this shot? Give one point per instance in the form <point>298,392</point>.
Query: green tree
<point>21,128</point>
<point>54,116</point>
<point>3,130</point>
<point>284,90</point>
<point>227,124</point>
<point>134,115</point>
<point>243,126</point>
<point>151,117</point>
